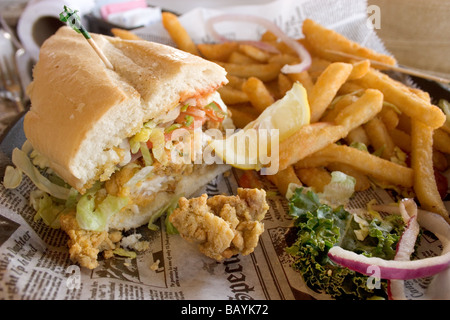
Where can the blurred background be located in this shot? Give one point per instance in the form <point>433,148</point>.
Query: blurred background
<point>416,32</point>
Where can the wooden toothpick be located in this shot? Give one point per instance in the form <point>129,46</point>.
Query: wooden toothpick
<point>74,21</point>
<point>409,71</point>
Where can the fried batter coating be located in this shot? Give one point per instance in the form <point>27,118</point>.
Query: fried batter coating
<point>222,225</point>
<point>85,245</point>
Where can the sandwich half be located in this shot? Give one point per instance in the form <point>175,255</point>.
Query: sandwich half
<point>117,146</point>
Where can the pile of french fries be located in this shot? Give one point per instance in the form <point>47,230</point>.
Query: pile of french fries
<point>363,122</point>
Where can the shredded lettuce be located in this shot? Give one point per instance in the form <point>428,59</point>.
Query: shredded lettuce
<point>141,136</point>
<point>150,124</point>
<point>170,228</point>
<point>95,217</point>
<point>189,120</point>
<point>27,147</point>
<point>173,127</point>
<point>320,227</point>
<point>291,190</point>
<point>39,160</point>
<point>168,209</point>
<point>339,190</point>
<point>23,162</point>
<point>184,108</point>
<point>359,145</point>
<point>393,106</point>
<point>445,107</point>
<point>48,210</point>
<point>140,175</point>
<point>72,199</point>
<point>12,178</point>
<point>158,140</point>
<point>399,157</point>
<point>125,253</point>
<point>148,160</point>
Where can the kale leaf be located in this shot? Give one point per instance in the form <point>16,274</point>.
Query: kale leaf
<point>321,227</point>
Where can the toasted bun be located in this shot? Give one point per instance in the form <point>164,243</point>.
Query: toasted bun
<point>187,186</point>
<point>81,110</point>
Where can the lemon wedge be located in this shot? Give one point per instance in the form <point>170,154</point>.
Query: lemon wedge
<point>249,148</point>
<point>288,114</point>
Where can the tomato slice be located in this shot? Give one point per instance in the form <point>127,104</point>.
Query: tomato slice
<point>212,115</point>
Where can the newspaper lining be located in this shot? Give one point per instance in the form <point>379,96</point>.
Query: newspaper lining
<point>34,259</point>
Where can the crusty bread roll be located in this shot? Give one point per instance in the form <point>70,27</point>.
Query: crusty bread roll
<point>81,110</point>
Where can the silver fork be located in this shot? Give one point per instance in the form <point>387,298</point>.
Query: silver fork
<point>11,82</point>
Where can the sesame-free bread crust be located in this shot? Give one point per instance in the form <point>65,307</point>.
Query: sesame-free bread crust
<point>80,109</point>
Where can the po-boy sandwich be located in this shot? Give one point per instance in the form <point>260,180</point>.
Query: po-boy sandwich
<point>107,147</point>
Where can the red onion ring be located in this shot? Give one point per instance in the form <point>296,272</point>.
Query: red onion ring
<point>437,266</point>
<point>405,247</point>
<point>261,45</point>
<point>299,49</point>
<point>390,269</point>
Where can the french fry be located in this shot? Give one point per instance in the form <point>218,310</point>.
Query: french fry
<point>316,136</point>
<point>362,110</point>
<point>272,87</point>
<point>360,68</point>
<point>283,47</point>
<point>305,44</point>
<point>425,186</point>
<point>422,94</point>
<point>379,137</point>
<point>440,161</point>
<point>284,85</point>
<point>362,161</point>
<point>318,65</point>
<point>124,34</point>
<point>326,87</point>
<point>352,100</point>
<point>389,117</point>
<point>310,138</point>
<point>254,52</point>
<point>258,94</point>
<point>441,140</point>
<point>357,135</point>
<point>316,178</point>
<point>217,51</point>
<point>404,123</point>
<point>337,106</point>
<point>231,95</point>
<point>284,59</point>
<point>239,58</point>
<point>235,82</point>
<point>362,182</point>
<point>304,78</point>
<point>350,88</point>
<point>400,95</point>
<point>268,36</point>
<point>283,178</point>
<point>321,39</point>
<point>242,114</point>
<point>401,139</point>
<point>178,33</point>
<point>264,72</point>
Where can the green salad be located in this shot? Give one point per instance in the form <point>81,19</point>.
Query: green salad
<point>320,227</point>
